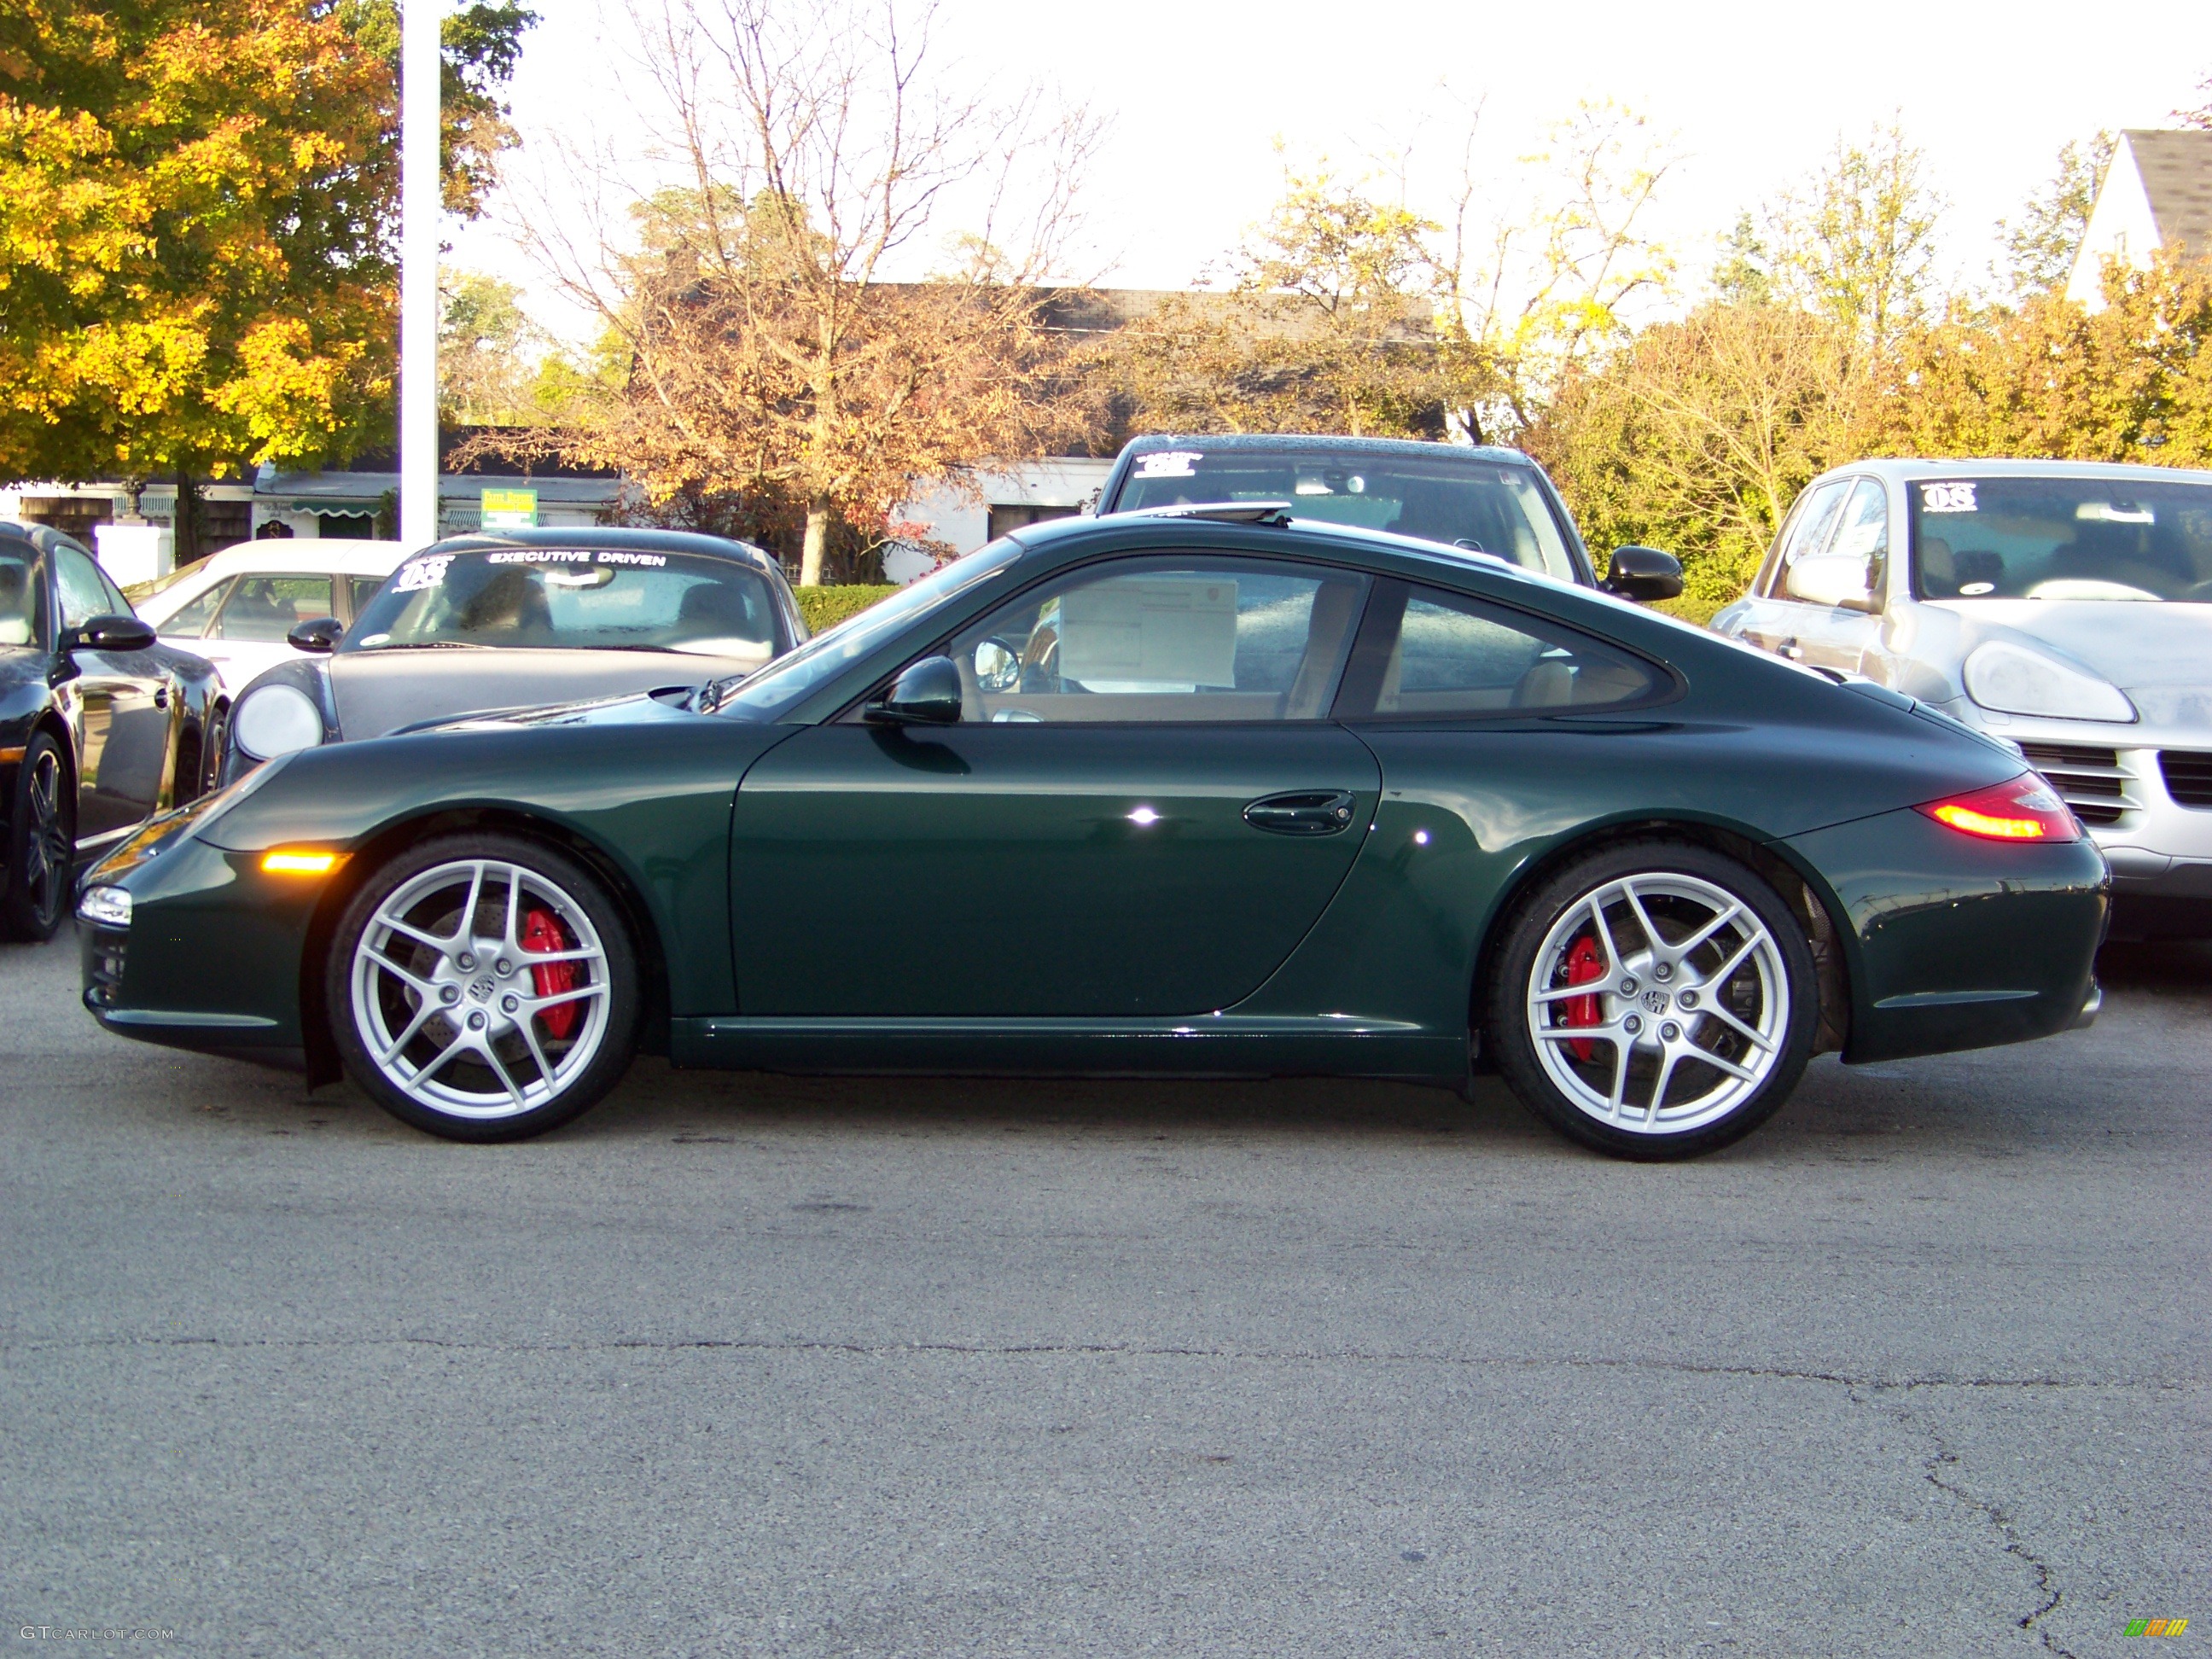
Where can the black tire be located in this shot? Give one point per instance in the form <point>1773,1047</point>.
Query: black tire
<point>213,737</point>
<point>1763,1027</point>
<point>41,843</point>
<point>545,1084</point>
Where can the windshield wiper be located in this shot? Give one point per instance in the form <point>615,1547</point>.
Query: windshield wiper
<point>426,645</point>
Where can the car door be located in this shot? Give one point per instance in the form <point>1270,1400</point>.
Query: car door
<point>248,633</point>
<point>1773,618</point>
<point>1142,811</point>
<point>186,628</point>
<point>127,719</point>
<point>1835,584</point>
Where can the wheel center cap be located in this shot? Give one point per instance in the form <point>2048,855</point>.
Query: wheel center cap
<point>481,987</point>
<point>1656,1001</point>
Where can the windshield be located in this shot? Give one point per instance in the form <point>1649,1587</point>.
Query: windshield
<point>19,607</point>
<point>2061,538</point>
<point>582,598</point>
<point>788,681</point>
<point>1481,506</point>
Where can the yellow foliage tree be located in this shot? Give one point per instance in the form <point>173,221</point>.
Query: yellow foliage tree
<point>194,270</point>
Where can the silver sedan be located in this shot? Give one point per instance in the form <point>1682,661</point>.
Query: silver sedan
<point>2062,607</point>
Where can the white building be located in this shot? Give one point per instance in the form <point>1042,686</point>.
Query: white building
<point>1027,492</point>
<point>2158,190</point>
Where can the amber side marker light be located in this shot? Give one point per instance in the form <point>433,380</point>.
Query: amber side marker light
<point>2025,809</point>
<point>300,862</point>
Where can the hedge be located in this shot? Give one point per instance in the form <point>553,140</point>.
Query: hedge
<point>822,607</point>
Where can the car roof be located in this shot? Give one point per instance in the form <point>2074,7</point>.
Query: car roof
<point>1286,443</point>
<point>595,537</point>
<point>314,554</point>
<point>1377,549</point>
<point>1899,469</point>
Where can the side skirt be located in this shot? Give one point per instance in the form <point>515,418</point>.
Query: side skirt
<point>1208,1045</point>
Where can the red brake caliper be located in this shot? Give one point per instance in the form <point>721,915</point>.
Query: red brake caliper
<point>1584,965</point>
<point>542,933</point>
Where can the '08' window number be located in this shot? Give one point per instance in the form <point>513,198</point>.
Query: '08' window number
<point>424,573</point>
<point>1947,498</point>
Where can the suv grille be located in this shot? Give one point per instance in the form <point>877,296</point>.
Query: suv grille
<point>2188,776</point>
<point>2090,780</point>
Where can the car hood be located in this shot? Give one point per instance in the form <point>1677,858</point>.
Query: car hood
<point>378,692</point>
<point>2161,654</point>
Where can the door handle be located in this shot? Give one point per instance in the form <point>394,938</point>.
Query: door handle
<point>1302,813</point>
<point>1792,649</point>
<point>161,696</point>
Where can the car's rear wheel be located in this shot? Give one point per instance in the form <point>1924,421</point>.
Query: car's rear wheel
<point>484,987</point>
<point>1654,1000</point>
<point>41,843</point>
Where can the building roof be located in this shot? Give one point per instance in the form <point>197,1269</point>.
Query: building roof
<point>2176,165</point>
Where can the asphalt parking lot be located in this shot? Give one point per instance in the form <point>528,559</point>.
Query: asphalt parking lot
<point>769,1365</point>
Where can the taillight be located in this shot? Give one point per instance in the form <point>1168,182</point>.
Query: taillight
<point>2025,809</point>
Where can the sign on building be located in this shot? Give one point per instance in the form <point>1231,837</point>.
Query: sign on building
<point>510,509</point>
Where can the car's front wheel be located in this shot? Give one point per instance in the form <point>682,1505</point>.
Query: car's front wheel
<point>484,987</point>
<point>41,843</point>
<point>1654,1000</point>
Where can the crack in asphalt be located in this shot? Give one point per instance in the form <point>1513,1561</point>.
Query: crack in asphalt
<point>1996,1517</point>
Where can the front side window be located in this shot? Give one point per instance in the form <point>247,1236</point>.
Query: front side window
<point>1859,544</point>
<point>264,609</point>
<point>2061,538</point>
<point>1170,638</point>
<point>84,595</point>
<point>1478,506</point>
<point>1427,653</point>
<point>575,599</point>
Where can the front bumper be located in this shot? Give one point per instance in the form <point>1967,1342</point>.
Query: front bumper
<point>2148,809</point>
<point>211,958</point>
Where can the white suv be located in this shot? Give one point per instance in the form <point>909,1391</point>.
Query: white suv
<point>2064,607</point>
<point>235,607</point>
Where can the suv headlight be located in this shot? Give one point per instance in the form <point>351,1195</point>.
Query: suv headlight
<point>2014,680</point>
<point>276,719</point>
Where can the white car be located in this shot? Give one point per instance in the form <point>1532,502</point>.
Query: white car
<point>235,607</point>
<point>2062,607</point>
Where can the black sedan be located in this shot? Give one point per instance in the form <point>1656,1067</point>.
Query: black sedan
<point>478,624</point>
<point>99,727</point>
<point>1219,792</point>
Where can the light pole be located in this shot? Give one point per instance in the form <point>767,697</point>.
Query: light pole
<point>419,71</point>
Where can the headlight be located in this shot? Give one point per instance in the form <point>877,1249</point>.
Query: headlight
<point>277,719</point>
<point>2014,680</point>
<point>110,907</point>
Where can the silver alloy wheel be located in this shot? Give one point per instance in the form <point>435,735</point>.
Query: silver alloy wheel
<point>1658,1002</point>
<point>456,1006</point>
<point>48,855</point>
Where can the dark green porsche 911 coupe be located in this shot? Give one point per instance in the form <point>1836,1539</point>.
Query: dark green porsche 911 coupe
<point>1207,791</point>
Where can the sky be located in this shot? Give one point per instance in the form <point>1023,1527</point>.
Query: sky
<point>1747,97</point>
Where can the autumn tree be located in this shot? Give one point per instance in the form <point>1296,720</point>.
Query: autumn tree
<point>2040,245</point>
<point>194,265</point>
<point>479,47</point>
<point>1328,326</point>
<point>785,334</point>
<point>2132,381</point>
<point>1697,434</point>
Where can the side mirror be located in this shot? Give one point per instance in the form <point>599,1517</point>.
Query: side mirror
<point>1844,582</point>
<point>927,694</point>
<point>1643,574</point>
<point>322,634</point>
<point>112,632</point>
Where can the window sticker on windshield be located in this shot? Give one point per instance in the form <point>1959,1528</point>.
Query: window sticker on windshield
<point>1169,464</point>
<point>421,573</point>
<point>577,556</point>
<point>1947,498</point>
<point>651,561</point>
